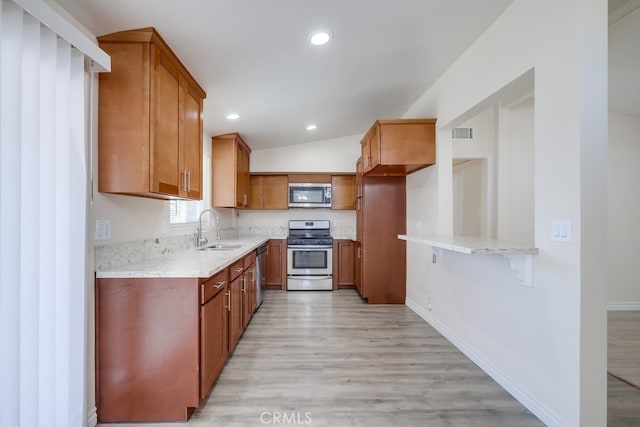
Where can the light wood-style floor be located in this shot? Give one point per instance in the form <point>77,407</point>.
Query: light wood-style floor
<point>327,358</point>
<point>623,338</point>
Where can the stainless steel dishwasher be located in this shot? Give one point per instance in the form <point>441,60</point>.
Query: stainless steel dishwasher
<point>261,282</point>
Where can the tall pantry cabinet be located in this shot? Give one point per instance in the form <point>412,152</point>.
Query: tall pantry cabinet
<point>381,216</point>
<point>391,149</point>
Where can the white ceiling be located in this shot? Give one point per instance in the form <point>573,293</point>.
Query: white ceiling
<point>252,56</point>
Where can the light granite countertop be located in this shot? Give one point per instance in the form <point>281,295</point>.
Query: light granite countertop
<point>471,245</point>
<point>187,263</point>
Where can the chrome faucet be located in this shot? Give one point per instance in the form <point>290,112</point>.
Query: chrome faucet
<point>200,239</point>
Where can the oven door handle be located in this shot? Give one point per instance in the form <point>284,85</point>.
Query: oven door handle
<point>313,277</point>
<point>309,247</point>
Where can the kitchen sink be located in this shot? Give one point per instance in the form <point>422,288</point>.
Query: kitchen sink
<point>220,247</point>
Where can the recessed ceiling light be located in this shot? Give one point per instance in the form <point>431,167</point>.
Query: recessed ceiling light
<point>320,37</point>
<point>312,127</point>
<point>232,116</point>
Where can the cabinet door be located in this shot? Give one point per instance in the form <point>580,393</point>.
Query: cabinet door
<point>366,153</point>
<point>255,192</point>
<point>165,107</point>
<point>374,146</point>
<point>249,294</point>
<point>275,192</point>
<point>383,254</point>
<point>242,176</point>
<point>191,149</point>
<point>276,264</point>
<point>358,267</point>
<point>235,312</point>
<point>359,200</point>
<point>343,192</point>
<point>345,271</point>
<point>213,340</point>
<point>268,192</point>
<point>223,171</point>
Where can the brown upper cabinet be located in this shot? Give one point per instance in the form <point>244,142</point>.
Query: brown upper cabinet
<point>150,120</point>
<point>268,192</point>
<point>229,171</point>
<point>398,147</point>
<point>315,178</point>
<point>343,192</point>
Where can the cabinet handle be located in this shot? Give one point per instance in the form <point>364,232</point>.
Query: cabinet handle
<point>238,270</point>
<point>188,180</point>
<point>228,294</point>
<point>244,288</point>
<point>219,285</point>
<point>359,252</point>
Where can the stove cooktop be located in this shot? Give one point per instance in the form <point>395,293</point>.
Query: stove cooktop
<point>309,233</point>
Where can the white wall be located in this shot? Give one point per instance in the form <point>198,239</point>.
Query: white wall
<point>330,155</point>
<point>515,178</point>
<point>623,211</point>
<point>546,344</point>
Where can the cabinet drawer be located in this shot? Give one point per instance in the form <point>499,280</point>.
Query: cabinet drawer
<point>213,285</point>
<point>249,259</point>
<point>236,269</point>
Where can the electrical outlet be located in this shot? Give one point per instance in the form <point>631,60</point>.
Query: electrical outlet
<point>103,229</point>
<point>429,306</point>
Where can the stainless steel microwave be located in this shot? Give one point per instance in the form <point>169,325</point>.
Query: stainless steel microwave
<point>309,195</point>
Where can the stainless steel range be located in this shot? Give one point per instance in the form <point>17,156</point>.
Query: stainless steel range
<point>309,256</point>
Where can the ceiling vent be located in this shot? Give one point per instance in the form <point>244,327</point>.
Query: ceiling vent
<point>462,133</point>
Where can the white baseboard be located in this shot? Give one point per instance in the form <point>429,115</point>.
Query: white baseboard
<point>92,418</point>
<point>623,306</point>
<point>539,410</point>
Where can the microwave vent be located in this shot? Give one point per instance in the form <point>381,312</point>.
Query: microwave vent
<point>462,133</point>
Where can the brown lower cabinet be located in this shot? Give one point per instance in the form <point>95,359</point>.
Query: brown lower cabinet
<point>357,266</point>
<point>276,264</point>
<point>236,286</point>
<point>214,327</point>
<point>235,312</point>
<point>162,342</point>
<point>248,290</point>
<point>147,349</point>
<point>343,264</point>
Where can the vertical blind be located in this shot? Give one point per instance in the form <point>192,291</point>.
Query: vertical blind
<point>43,196</point>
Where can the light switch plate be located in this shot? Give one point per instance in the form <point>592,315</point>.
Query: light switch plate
<point>103,229</point>
<point>561,230</point>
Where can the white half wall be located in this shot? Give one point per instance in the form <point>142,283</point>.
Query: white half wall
<point>623,210</point>
<point>546,344</point>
